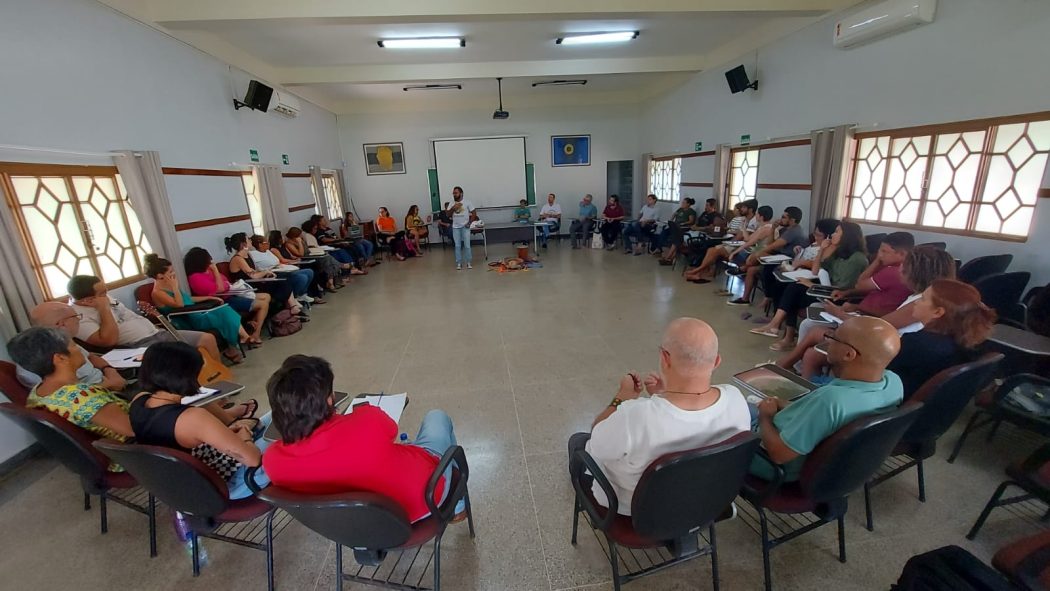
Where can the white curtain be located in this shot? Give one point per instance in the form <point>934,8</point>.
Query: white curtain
<point>720,190</point>
<point>19,291</point>
<point>317,184</point>
<point>647,167</point>
<point>828,171</point>
<point>272,198</point>
<point>344,196</point>
<point>144,181</point>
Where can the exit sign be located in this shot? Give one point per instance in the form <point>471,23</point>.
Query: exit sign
<point>698,146</point>
<point>254,154</point>
<point>745,139</point>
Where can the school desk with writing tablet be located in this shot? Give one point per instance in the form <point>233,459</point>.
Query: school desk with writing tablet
<point>771,381</point>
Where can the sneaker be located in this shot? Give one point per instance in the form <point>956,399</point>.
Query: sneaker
<point>459,267</point>
<point>305,298</point>
<point>738,302</point>
<point>469,266</point>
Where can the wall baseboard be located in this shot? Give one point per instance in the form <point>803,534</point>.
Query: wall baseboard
<point>16,461</point>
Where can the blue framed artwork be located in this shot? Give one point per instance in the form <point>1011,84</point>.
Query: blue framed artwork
<point>570,150</point>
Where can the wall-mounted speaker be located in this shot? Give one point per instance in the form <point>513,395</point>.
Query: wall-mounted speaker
<point>257,98</point>
<point>738,80</point>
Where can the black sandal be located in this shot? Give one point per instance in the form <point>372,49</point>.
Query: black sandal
<point>251,405</point>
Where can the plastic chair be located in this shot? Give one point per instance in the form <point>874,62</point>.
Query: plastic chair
<point>374,525</point>
<point>993,408</point>
<point>1002,292</point>
<point>937,245</point>
<point>872,242</point>
<point>839,465</point>
<point>677,495</point>
<point>187,485</point>
<point>943,398</point>
<point>10,386</point>
<point>72,447</point>
<point>980,267</point>
<point>1026,562</point>
<point>1031,475</point>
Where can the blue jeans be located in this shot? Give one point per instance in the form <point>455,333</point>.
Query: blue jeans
<point>637,232</point>
<point>237,487</point>
<point>300,281</point>
<point>366,247</point>
<point>546,229</point>
<point>461,236</point>
<point>436,436</point>
<point>341,255</point>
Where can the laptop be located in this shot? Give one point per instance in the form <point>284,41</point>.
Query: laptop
<point>771,381</point>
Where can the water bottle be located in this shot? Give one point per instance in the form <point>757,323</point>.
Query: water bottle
<point>403,438</point>
<point>185,534</point>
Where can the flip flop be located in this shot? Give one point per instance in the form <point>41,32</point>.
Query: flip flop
<point>765,333</point>
<point>250,406</point>
<point>781,347</point>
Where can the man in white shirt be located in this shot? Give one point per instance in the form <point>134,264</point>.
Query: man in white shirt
<point>107,323</point>
<point>550,215</point>
<point>461,211</point>
<point>94,371</point>
<point>644,226</point>
<point>683,411</point>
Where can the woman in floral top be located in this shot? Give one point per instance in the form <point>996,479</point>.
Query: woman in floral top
<point>51,353</point>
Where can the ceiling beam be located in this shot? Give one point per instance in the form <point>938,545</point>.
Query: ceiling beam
<point>363,74</point>
<point>187,11</point>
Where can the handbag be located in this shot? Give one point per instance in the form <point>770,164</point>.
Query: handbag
<point>223,464</point>
<point>241,289</point>
<point>284,323</point>
<point>596,241</point>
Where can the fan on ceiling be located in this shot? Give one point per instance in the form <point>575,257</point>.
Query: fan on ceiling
<point>500,113</point>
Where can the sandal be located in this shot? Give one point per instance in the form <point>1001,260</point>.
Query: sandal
<point>250,406</point>
<point>700,281</point>
<point>778,346</point>
<point>770,332</point>
<point>234,358</point>
<point>251,423</point>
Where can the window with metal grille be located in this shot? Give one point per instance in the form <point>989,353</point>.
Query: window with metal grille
<point>743,175</point>
<point>665,178</point>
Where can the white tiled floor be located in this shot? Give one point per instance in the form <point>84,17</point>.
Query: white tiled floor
<point>520,361</point>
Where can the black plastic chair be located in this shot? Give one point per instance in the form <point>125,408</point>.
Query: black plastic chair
<point>1002,292</point>
<point>187,485</point>
<point>980,267</point>
<point>872,242</point>
<point>374,525</point>
<point>72,447</point>
<point>943,398</point>
<point>1031,475</point>
<point>993,408</point>
<point>678,495</point>
<point>839,465</point>
<point>937,245</point>
<point>1026,562</point>
<point>10,386</point>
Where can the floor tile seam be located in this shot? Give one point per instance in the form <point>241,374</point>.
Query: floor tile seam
<point>324,562</point>
<point>400,360</point>
<point>528,475</point>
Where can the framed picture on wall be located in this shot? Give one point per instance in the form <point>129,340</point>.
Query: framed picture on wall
<point>385,158</point>
<point>570,150</point>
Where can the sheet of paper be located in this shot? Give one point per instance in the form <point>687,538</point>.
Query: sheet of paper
<point>125,358</point>
<point>203,393</point>
<point>830,318</point>
<point>392,404</point>
<point>800,274</point>
<point>326,248</point>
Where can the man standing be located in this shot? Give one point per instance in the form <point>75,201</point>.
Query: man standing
<point>94,371</point>
<point>683,411</point>
<point>858,351</point>
<point>645,225</point>
<point>461,211</point>
<point>583,225</point>
<point>550,215</point>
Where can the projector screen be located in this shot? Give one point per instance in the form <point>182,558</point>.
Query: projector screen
<point>490,170</point>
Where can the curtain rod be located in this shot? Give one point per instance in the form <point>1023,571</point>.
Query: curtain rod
<point>59,151</point>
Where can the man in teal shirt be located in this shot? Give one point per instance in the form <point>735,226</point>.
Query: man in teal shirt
<point>858,352</point>
<point>522,213</point>
<point>581,227</point>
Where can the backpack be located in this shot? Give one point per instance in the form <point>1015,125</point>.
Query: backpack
<point>949,569</point>
<point>285,323</point>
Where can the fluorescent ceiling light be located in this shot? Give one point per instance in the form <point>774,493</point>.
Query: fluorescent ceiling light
<point>584,38</point>
<point>434,87</point>
<point>424,43</point>
<point>579,82</point>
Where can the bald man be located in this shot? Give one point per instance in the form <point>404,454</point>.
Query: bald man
<point>94,371</point>
<point>683,411</point>
<point>858,352</point>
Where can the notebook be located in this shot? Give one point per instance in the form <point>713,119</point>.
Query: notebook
<point>771,381</point>
<point>125,358</point>
<point>392,404</point>
<point>793,276</point>
<point>821,291</point>
<point>774,259</point>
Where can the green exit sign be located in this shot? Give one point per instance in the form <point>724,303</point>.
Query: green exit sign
<point>285,159</point>
<point>254,154</point>
<point>698,146</point>
<point>745,139</point>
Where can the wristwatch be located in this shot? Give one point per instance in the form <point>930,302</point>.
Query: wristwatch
<point>615,402</point>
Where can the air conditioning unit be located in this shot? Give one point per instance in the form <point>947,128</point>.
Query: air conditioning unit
<point>286,103</point>
<point>882,20</point>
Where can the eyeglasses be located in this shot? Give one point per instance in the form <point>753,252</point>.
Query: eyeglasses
<point>78,316</point>
<point>831,337</point>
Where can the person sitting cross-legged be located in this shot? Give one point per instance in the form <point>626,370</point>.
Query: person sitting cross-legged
<point>323,452</point>
<point>858,351</point>
<point>791,236</point>
<point>683,411</point>
<point>580,229</point>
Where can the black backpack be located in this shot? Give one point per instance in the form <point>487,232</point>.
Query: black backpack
<point>949,569</point>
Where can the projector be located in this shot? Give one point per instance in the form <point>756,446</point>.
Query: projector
<point>500,114</point>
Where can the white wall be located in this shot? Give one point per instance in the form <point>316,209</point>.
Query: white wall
<point>980,58</point>
<point>79,76</point>
<point>613,131</point>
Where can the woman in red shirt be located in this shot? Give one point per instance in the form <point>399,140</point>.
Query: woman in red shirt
<point>323,452</point>
<point>613,217</point>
